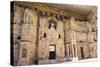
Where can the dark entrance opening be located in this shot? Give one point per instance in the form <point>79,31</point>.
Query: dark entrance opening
<point>52,52</point>
<point>82,52</point>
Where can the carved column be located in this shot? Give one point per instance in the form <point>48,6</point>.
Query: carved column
<point>73,40</point>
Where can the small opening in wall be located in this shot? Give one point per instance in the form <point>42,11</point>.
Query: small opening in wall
<point>44,34</point>
<point>59,36</point>
<point>94,39</point>
<point>80,41</point>
<point>92,30</point>
<point>51,14</point>
<point>18,37</point>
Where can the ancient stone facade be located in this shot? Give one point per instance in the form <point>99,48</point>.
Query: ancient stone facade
<point>42,37</point>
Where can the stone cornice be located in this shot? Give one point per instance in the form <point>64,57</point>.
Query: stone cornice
<point>45,8</point>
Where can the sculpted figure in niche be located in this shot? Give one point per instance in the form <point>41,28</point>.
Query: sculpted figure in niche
<point>52,24</point>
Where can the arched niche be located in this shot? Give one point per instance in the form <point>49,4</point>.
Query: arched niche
<point>52,24</point>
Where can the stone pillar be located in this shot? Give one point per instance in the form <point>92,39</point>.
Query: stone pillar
<point>37,38</point>
<point>73,40</point>
<point>64,29</point>
<point>74,47</point>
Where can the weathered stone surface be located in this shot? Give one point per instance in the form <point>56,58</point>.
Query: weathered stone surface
<point>37,33</point>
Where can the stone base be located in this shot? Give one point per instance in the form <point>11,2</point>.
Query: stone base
<point>44,61</point>
<point>75,59</point>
